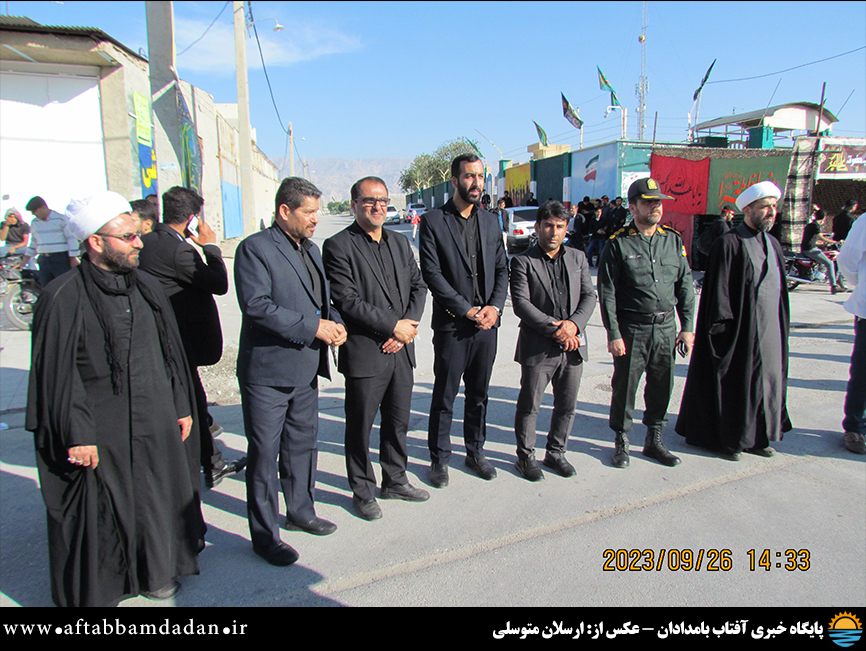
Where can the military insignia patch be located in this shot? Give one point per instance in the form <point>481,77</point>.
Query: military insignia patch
<point>651,184</point>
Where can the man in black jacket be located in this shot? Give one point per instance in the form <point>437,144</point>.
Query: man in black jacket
<point>190,284</point>
<point>463,263</point>
<point>376,285</point>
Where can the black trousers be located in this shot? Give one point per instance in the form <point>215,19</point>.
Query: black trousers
<point>282,425</point>
<point>392,391</point>
<point>467,354</point>
<point>211,457</point>
<point>563,371</point>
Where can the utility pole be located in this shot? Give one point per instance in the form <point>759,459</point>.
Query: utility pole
<point>642,86</point>
<point>245,151</point>
<point>291,151</point>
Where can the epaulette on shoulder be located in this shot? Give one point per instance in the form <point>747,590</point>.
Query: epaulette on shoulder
<point>625,231</point>
<point>664,227</point>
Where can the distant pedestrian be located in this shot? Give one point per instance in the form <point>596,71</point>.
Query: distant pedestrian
<point>54,242</point>
<point>14,231</point>
<point>843,222</point>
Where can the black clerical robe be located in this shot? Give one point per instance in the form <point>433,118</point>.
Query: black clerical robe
<point>133,523</point>
<point>735,390</point>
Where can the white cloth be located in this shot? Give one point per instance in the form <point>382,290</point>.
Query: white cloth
<point>758,191</point>
<point>86,216</point>
<point>852,262</point>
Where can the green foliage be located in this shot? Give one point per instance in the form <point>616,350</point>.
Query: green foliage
<point>428,170</point>
<point>339,207</point>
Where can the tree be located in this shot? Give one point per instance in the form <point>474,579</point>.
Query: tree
<point>428,170</point>
<point>339,207</point>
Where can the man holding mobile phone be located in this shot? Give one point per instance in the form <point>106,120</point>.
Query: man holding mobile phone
<point>191,283</point>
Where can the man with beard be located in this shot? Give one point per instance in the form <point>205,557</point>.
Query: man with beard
<point>111,421</point>
<point>463,264</point>
<point>552,294</point>
<point>643,279</point>
<point>734,398</point>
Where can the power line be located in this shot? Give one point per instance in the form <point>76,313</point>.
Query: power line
<point>770,74</point>
<point>207,30</point>
<point>264,67</point>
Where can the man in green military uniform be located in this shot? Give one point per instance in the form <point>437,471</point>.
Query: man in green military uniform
<point>643,279</point>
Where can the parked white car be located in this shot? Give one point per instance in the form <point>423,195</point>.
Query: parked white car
<point>520,228</point>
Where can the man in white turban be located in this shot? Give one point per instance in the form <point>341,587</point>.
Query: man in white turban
<point>111,421</point>
<point>734,400</point>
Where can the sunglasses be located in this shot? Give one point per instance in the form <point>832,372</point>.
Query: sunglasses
<point>126,237</point>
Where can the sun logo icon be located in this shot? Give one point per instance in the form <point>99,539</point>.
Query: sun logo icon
<point>845,629</point>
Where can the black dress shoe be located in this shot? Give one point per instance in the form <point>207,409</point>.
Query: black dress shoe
<point>280,554</point>
<point>214,477</point>
<point>528,469</point>
<point>166,592</point>
<point>367,509</point>
<point>439,475</point>
<point>482,467</point>
<point>404,492</point>
<point>761,452</point>
<point>559,464</point>
<point>316,526</point>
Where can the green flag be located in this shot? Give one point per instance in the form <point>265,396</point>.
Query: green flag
<point>604,84</point>
<point>541,135</point>
<point>475,147</point>
<point>570,114</point>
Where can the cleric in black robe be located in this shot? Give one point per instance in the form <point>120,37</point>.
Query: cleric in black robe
<point>735,394</point>
<point>109,404</point>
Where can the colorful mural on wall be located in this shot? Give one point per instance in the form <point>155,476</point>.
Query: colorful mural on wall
<point>517,181</point>
<point>144,140</point>
<point>594,172</point>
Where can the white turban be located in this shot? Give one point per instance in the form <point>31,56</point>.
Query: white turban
<point>86,216</point>
<point>760,190</point>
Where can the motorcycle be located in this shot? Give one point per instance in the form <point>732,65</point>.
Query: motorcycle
<point>19,290</point>
<point>803,269</point>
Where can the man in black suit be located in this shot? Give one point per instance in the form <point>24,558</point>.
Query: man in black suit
<point>377,286</point>
<point>463,263</point>
<point>190,284</point>
<point>288,325</point>
<point>552,294</point>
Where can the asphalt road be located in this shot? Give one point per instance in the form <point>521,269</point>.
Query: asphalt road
<point>508,542</point>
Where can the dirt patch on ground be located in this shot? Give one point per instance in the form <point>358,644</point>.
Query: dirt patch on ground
<point>219,380</point>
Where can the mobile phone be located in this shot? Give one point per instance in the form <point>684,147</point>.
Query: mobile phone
<point>681,349</point>
<point>192,227</point>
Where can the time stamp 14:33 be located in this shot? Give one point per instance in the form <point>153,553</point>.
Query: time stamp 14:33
<point>710,560</point>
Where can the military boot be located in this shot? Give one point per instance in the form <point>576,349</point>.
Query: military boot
<point>655,449</point>
<point>620,454</point>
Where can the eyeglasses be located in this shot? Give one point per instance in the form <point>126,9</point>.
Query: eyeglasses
<point>126,237</point>
<point>369,202</point>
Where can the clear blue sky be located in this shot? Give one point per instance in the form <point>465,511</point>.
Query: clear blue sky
<point>371,79</point>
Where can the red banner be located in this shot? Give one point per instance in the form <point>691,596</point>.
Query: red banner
<point>685,181</point>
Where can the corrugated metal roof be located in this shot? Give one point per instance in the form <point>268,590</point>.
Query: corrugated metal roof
<point>24,24</point>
